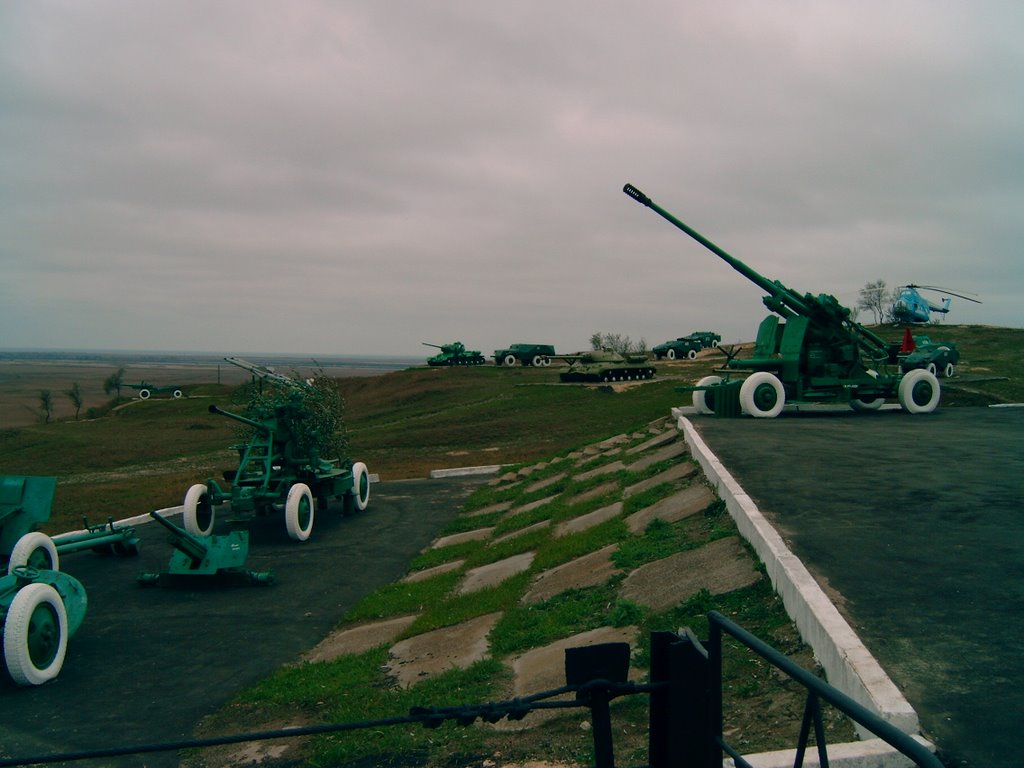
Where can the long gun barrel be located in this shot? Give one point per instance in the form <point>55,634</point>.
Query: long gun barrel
<point>182,540</point>
<point>788,297</point>
<point>436,346</point>
<point>254,424</point>
<point>780,299</point>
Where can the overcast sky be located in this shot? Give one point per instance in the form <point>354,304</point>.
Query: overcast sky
<point>361,177</point>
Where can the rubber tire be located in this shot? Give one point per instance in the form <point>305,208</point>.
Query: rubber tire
<point>714,343</point>
<point>692,354</point>
<point>177,394</point>
<point>537,362</point>
<point>547,361</point>
<point>933,369</point>
<point>190,511</point>
<point>700,403</point>
<point>863,406</point>
<point>27,616</point>
<point>671,354</point>
<point>949,370</point>
<point>36,550</point>
<point>913,385</point>
<point>144,394</point>
<point>359,498</point>
<point>509,360</point>
<point>299,498</point>
<point>751,390</point>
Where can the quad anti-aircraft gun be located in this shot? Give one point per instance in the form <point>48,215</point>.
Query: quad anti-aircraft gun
<point>282,466</point>
<point>809,351</point>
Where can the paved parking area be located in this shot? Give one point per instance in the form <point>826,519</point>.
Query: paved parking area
<point>148,663</point>
<point>915,524</point>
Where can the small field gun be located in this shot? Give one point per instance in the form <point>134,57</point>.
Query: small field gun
<point>221,556</point>
<point>815,354</point>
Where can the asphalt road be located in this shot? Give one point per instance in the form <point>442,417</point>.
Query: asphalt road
<point>916,521</point>
<point>148,663</point>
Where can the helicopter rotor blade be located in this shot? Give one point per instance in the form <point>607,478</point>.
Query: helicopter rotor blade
<point>945,290</point>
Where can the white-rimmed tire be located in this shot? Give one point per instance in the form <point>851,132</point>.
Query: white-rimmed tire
<point>197,513</point>
<point>35,635</point>
<point>874,404</point>
<point>36,550</point>
<point>671,354</point>
<point>691,354</point>
<point>298,512</point>
<point>144,394</point>
<point>949,370</point>
<point>762,395</point>
<point>704,403</point>
<point>509,360</point>
<point>177,394</point>
<point>919,392</point>
<point>358,498</point>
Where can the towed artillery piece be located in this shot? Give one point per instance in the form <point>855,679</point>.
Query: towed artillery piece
<point>604,365</point>
<point>25,503</point>
<point>281,466</point>
<point>39,610</point>
<point>454,354</point>
<point>147,390</point>
<point>222,557</point>
<point>815,354</point>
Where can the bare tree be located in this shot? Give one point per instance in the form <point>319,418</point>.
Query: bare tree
<point>616,342</point>
<point>45,405</point>
<point>873,298</point>
<point>114,382</point>
<point>75,396</point>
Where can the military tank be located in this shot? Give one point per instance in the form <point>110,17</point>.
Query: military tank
<point>455,354</point>
<point>605,365</point>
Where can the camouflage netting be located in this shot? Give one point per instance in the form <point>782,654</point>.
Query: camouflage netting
<point>311,409</point>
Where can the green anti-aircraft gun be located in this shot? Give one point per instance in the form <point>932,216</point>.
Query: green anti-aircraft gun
<point>282,466</point>
<point>454,354</point>
<point>816,354</point>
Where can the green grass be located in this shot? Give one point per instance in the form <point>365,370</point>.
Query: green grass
<point>321,692</point>
<point>403,424</point>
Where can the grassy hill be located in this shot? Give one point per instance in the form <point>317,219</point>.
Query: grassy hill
<point>144,454</point>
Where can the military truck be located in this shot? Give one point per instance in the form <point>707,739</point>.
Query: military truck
<point>524,354</point>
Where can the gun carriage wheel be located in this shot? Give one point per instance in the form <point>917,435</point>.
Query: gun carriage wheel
<point>35,634</point>
<point>35,550</point>
<point>298,512</point>
<point>762,395</point>
<point>704,400</point>
<point>919,392</point>
<point>358,498</point>
<point>198,515</point>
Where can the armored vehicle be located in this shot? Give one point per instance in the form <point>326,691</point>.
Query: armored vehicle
<point>455,354</point>
<point>705,338</point>
<point>524,354</point>
<point>605,365</point>
<point>682,347</point>
<point>937,357</point>
<point>809,351</point>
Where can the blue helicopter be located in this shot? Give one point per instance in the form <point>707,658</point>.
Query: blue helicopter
<point>909,307</point>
